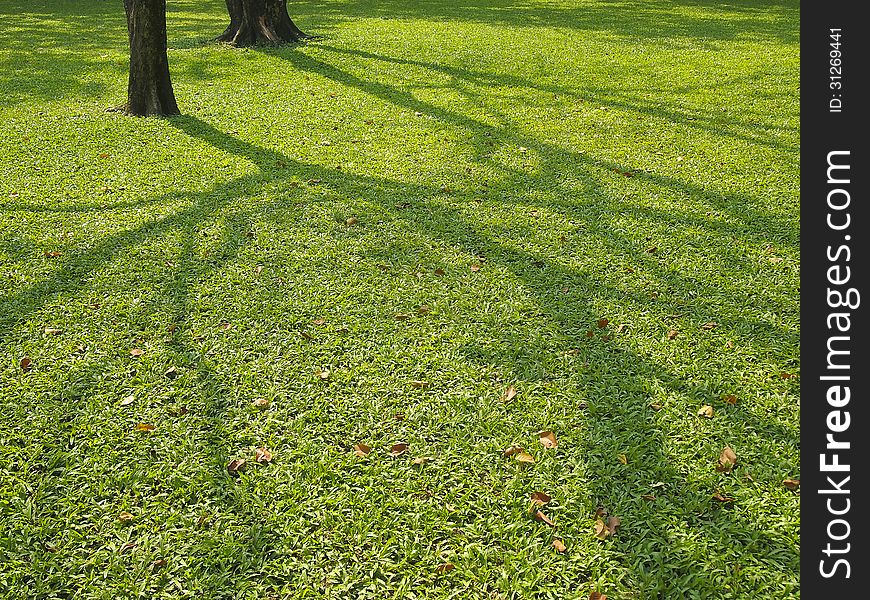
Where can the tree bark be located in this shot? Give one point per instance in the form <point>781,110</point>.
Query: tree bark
<point>254,22</point>
<point>149,88</point>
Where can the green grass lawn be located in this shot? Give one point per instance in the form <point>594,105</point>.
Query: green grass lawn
<point>375,234</point>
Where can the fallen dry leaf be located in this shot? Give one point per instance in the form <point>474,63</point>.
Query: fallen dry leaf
<point>612,525</point>
<point>509,394</point>
<point>137,352</point>
<point>622,458</point>
<point>512,450</point>
<point>399,416</point>
<point>718,496</point>
<point>786,375</point>
<point>53,331</point>
<point>540,498</point>
<point>398,449</point>
<point>261,403</point>
<point>362,450</point>
<point>791,484</point>
<point>419,384</point>
<point>421,460</point>
<point>319,321</point>
<point>601,530</point>
<point>26,364</point>
<point>259,269</point>
<point>710,325</point>
<point>144,427</point>
<point>439,271</point>
<point>126,517</point>
<point>602,323</point>
<point>547,439</point>
<point>620,328</point>
<point>423,310</point>
<point>559,545</point>
<point>444,568</point>
<point>590,334</point>
<point>706,411</point>
<point>475,268</point>
<point>729,344</point>
<point>524,457</point>
<point>171,373</point>
<point>128,400</point>
<point>540,516</point>
<point>672,334</point>
<point>655,406</point>
<point>649,497</point>
<point>351,221</point>
<point>597,596</point>
<point>261,455</point>
<point>727,460</point>
<point>730,399</point>
<point>236,465</point>
<point>159,564</point>
<point>52,254</point>
<point>402,317</point>
<point>322,374</point>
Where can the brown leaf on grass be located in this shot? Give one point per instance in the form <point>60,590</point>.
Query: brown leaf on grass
<point>559,545</point>
<point>648,497</point>
<point>540,516</point>
<point>171,373</point>
<point>655,406</point>
<point>613,524</point>
<point>226,326</point>
<point>261,455</point>
<point>512,450</point>
<point>444,568</point>
<point>126,517</point>
<point>597,596</point>
<point>26,364</point>
<point>52,254</point>
<point>706,411</point>
<point>672,334</point>
<point>398,449</point>
<point>730,399</point>
<point>144,427</point>
<point>319,321</point>
<point>421,460</point>
<point>727,460</point>
<point>128,400</point>
<point>721,498</point>
<point>622,458</point>
<point>475,268</point>
<point>509,394</point>
<point>419,384</point>
<point>53,331</point>
<point>351,221</point>
<point>620,328</point>
<point>791,484</point>
<point>602,323</point>
<point>729,344</point>
<point>601,530</point>
<point>159,563</point>
<point>322,374</point>
<point>547,439</point>
<point>402,317</point>
<point>439,271</point>
<point>399,416</point>
<point>786,375</point>
<point>540,498</point>
<point>259,269</point>
<point>362,450</point>
<point>524,457</point>
<point>423,310</point>
<point>236,465</point>
<point>710,325</point>
<point>313,181</point>
<point>261,403</point>
<point>137,352</point>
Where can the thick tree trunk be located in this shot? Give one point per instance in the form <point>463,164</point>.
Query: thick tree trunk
<point>254,22</point>
<point>149,89</point>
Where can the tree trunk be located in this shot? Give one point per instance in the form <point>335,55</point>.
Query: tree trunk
<point>254,22</point>
<point>149,89</point>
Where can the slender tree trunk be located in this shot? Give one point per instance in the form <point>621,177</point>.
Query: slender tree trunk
<point>149,89</point>
<point>254,22</point>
